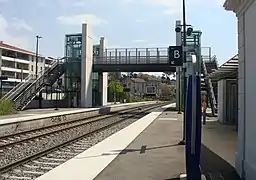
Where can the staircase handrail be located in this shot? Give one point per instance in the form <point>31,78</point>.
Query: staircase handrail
<point>41,76</point>
<point>37,82</point>
<point>9,93</point>
<point>210,84</point>
<point>212,93</point>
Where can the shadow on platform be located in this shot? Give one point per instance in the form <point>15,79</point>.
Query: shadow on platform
<point>142,150</point>
<point>215,168</point>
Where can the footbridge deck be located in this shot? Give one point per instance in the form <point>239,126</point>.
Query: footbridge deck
<point>133,60</point>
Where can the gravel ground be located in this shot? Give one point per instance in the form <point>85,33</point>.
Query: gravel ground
<point>31,169</point>
<point>20,137</point>
<point>11,154</point>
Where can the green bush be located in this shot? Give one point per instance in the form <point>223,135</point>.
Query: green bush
<point>7,108</point>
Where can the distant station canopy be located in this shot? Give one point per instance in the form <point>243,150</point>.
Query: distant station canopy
<point>228,70</point>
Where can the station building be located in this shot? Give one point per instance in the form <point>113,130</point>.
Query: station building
<point>245,11</point>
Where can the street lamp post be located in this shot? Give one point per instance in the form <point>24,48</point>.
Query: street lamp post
<point>182,142</point>
<point>37,45</point>
<point>184,71</point>
<point>40,93</point>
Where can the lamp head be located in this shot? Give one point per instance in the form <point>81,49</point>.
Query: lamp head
<point>178,29</point>
<point>189,31</point>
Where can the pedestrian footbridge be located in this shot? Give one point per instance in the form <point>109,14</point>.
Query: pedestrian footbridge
<point>133,60</point>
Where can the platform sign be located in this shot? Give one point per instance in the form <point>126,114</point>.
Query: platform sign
<point>175,55</point>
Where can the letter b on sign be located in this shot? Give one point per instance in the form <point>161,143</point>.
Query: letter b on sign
<point>175,55</point>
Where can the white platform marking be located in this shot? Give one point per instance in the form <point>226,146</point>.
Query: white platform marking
<point>91,162</point>
<point>168,119</point>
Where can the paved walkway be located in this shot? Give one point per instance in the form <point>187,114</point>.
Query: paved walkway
<point>218,151</point>
<point>153,155</point>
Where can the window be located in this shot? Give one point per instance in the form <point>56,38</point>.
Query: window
<point>8,74</point>
<point>41,68</point>
<point>8,64</point>
<point>32,68</point>
<point>22,66</point>
<point>9,53</point>
<point>22,56</point>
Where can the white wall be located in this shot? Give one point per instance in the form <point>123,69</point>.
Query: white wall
<point>246,93</point>
<point>40,64</point>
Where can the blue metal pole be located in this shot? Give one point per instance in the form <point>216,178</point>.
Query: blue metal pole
<point>193,128</point>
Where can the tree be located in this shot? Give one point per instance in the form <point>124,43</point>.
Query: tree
<point>168,91</point>
<point>133,75</point>
<point>146,76</point>
<point>112,76</point>
<point>115,86</point>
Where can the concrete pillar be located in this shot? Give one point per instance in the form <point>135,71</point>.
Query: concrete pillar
<point>178,71</point>
<point>103,77</point>
<point>86,66</point>
<point>103,88</point>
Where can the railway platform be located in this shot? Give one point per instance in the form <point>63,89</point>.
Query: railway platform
<point>148,150</point>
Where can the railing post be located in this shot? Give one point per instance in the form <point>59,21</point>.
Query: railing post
<point>110,57</point>
<point>129,57</point>
<point>115,56</point>
<point>125,55</point>
<point>120,58</point>
<point>157,55</point>
<point>105,57</point>
<point>136,54</point>
<point>138,58</point>
<point>147,56</point>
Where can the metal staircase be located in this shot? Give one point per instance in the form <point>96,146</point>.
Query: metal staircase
<point>27,91</point>
<point>12,94</point>
<point>211,85</point>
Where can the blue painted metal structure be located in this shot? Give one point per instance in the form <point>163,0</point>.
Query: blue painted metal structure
<point>193,155</point>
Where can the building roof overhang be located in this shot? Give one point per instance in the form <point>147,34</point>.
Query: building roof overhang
<point>228,70</point>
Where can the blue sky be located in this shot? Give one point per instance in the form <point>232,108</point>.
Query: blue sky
<point>125,23</point>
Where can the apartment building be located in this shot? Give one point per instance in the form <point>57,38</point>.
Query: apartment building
<point>17,64</point>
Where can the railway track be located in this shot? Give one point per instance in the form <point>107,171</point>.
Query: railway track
<point>7,141</point>
<point>45,149</point>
